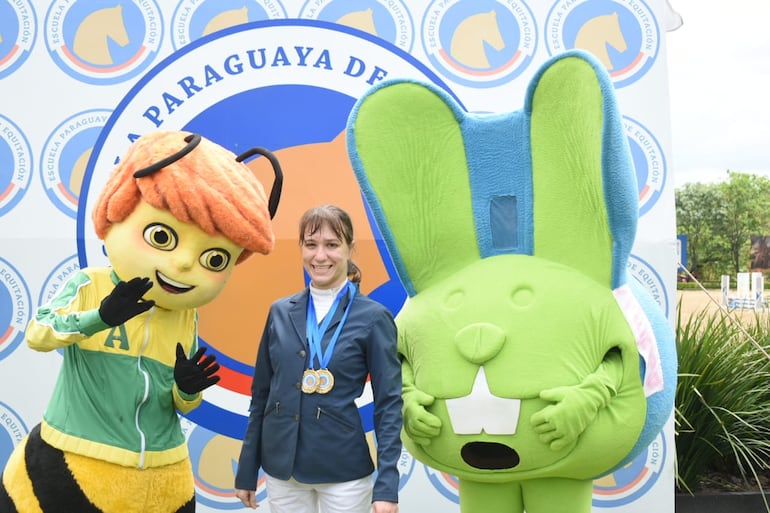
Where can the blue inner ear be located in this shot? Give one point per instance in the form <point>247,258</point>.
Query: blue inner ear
<point>504,223</point>
<point>499,162</point>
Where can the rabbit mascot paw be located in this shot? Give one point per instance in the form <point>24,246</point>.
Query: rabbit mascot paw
<point>532,364</point>
<point>176,215</point>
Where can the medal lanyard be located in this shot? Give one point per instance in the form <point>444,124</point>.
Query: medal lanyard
<point>315,333</point>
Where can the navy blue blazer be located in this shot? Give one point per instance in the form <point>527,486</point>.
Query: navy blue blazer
<point>319,438</point>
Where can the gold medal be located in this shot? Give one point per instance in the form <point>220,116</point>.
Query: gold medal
<point>310,380</point>
<point>325,381</point>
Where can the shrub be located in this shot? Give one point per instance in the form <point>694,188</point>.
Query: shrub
<point>722,398</point>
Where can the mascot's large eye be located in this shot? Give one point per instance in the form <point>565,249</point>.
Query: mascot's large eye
<point>215,259</point>
<point>160,236</point>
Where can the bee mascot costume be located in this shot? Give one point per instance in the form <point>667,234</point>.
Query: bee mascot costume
<point>532,363</point>
<point>177,214</point>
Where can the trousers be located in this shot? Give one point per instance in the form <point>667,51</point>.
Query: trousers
<point>294,497</point>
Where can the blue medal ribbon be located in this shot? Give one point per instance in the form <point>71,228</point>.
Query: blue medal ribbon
<point>315,332</point>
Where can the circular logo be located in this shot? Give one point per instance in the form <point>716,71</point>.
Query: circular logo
<point>213,457</point>
<point>15,164</point>
<point>18,31</point>
<point>627,484</point>
<point>649,278</point>
<point>406,465</point>
<point>57,278</point>
<point>293,83</point>
<point>12,431</point>
<point>194,19</point>
<point>406,461</point>
<point>103,44</point>
<point>386,19</point>
<point>15,305</point>
<point>479,43</point>
<point>649,162</point>
<point>622,34</point>
<point>446,484</point>
<point>65,156</point>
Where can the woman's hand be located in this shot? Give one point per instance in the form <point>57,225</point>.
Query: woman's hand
<point>248,498</point>
<point>384,507</point>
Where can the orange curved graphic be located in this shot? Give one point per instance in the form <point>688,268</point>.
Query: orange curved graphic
<point>7,334</point>
<point>6,192</point>
<point>628,486</point>
<point>97,69</point>
<point>479,73</point>
<point>10,55</point>
<point>629,67</point>
<point>313,174</point>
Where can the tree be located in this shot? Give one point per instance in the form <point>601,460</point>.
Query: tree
<point>699,209</point>
<point>719,220</point>
<point>747,199</point>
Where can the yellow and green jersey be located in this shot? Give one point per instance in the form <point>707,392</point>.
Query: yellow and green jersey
<point>115,398</point>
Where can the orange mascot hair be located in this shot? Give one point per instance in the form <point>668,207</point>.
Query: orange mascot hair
<point>206,187</point>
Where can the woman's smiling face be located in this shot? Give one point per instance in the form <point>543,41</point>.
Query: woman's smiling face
<point>325,257</point>
<point>187,266</point>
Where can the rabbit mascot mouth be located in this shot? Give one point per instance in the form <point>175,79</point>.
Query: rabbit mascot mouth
<point>532,364</point>
<point>176,215</point>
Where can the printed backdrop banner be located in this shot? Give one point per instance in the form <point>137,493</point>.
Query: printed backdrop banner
<point>80,80</point>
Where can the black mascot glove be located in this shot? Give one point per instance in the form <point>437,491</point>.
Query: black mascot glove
<point>125,301</point>
<point>194,375</point>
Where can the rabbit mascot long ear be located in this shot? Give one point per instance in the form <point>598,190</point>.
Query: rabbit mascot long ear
<point>532,364</point>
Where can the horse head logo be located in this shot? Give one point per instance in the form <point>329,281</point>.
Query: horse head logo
<point>97,29</point>
<point>227,19</point>
<point>468,45</point>
<point>600,32</point>
<point>78,172</point>
<point>361,20</point>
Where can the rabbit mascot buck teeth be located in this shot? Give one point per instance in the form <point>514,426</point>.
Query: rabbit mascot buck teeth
<point>176,215</point>
<point>532,364</point>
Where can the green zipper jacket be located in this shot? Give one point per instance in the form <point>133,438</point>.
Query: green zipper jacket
<point>115,398</point>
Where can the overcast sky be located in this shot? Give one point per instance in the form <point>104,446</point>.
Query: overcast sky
<point>719,79</point>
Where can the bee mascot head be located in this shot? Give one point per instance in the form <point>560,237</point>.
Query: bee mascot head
<point>532,363</point>
<point>177,214</point>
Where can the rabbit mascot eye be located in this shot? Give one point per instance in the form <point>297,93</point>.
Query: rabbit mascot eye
<point>532,364</point>
<point>176,215</point>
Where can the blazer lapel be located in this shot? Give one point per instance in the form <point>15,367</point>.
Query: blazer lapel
<point>298,315</point>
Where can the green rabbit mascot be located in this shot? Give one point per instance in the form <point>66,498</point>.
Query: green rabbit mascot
<point>532,364</point>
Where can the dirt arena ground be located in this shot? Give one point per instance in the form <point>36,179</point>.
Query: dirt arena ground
<point>697,300</point>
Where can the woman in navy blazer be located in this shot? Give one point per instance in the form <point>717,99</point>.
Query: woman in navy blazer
<point>316,352</point>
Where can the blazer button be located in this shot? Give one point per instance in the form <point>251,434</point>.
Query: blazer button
<point>296,418</point>
<point>298,385</point>
<point>302,353</point>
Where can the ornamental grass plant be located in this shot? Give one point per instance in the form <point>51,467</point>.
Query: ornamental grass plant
<point>722,409</point>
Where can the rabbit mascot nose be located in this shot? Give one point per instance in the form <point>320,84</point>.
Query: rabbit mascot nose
<point>176,215</point>
<point>532,363</point>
